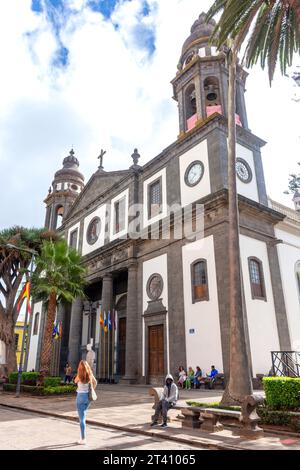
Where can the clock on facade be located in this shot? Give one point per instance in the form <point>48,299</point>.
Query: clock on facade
<point>243,170</point>
<point>93,230</point>
<point>194,173</point>
<point>155,286</point>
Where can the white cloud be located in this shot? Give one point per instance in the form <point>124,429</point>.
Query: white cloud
<point>111,96</point>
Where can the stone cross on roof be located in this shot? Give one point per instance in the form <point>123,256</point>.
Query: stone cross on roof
<point>102,153</point>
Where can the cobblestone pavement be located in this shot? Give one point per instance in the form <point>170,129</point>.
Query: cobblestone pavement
<point>22,430</point>
<point>129,408</point>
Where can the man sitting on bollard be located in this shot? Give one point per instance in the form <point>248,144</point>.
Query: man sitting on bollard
<point>168,399</point>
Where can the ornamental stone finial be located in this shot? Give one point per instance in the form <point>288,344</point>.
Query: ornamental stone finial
<point>102,153</point>
<point>135,157</point>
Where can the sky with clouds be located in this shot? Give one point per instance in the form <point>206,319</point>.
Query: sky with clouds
<point>96,74</point>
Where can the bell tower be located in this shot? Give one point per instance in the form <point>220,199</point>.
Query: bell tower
<point>201,83</point>
<point>66,186</point>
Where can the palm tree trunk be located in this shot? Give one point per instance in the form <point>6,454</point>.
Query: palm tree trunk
<point>239,384</point>
<point>48,341</point>
<point>7,335</point>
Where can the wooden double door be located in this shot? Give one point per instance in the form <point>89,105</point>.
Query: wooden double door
<point>156,354</point>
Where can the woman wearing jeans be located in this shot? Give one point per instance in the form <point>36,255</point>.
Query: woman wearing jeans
<point>83,378</point>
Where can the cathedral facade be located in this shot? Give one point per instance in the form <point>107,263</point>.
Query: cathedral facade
<point>161,289</point>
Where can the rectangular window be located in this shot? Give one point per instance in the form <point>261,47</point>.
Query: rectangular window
<point>73,239</point>
<point>256,279</point>
<point>154,198</point>
<point>119,215</point>
<point>199,281</point>
<point>36,324</point>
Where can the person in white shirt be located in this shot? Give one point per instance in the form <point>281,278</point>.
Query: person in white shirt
<point>84,379</point>
<point>168,399</point>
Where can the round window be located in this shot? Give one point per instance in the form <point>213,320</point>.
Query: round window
<point>155,286</point>
<point>93,230</point>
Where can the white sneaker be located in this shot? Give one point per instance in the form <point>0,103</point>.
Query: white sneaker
<point>81,442</point>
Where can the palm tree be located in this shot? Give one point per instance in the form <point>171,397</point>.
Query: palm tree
<point>275,34</point>
<point>59,276</point>
<point>14,264</point>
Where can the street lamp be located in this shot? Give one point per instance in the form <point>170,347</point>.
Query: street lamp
<point>33,253</point>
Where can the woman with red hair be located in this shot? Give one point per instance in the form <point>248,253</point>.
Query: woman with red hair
<point>84,380</point>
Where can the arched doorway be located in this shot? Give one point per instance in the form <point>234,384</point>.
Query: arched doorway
<point>121,308</point>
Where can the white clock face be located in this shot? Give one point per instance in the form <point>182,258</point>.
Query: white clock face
<point>243,171</point>
<point>194,173</point>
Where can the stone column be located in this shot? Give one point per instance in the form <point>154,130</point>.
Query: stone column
<point>197,82</point>
<point>107,304</point>
<point>278,296</point>
<point>181,112</point>
<point>131,326</point>
<point>75,334</point>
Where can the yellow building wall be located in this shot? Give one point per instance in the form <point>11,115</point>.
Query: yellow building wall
<point>19,330</point>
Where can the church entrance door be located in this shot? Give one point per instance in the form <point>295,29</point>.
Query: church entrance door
<point>156,354</point>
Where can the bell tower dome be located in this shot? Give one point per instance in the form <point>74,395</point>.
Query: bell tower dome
<point>201,83</point>
<point>66,186</point>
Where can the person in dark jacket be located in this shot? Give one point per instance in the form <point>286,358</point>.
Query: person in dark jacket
<point>168,399</point>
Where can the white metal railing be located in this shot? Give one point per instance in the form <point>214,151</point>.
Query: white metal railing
<point>287,211</point>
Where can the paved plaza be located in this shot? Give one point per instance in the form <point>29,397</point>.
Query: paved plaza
<point>120,417</point>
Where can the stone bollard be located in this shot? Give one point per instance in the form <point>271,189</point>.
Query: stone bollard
<point>249,417</point>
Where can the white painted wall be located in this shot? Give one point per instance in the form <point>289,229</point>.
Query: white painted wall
<point>122,233</point>
<point>162,174</point>
<point>247,189</point>
<point>190,194</point>
<point>289,255</point>
<point>71,229</point>
<point>260,314</point>
<point>156,265</point>
<point>101,213</point>
<point>203,348</point>
<point>34,339</point>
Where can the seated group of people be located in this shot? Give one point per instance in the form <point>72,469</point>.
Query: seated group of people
<point>192,379</point>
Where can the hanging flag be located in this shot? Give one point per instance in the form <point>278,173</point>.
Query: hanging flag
<point>54,331</point>
<point>60,329</point>
<point>105,323</point>
<point>57,330</point>
<point>25,294</point>
<point>109,321</point>
<point>101,319</point>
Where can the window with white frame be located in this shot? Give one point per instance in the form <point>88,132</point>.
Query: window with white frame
<point>119,215</point>
<point>154,198</point>
<point>73,238</point>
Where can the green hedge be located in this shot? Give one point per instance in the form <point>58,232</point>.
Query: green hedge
<point>41,390</point>
<point>282,393</point>
<point>52,381</point>
<point>279,418</point>
<point>34,390</point>
<point>213,405</point>
<point>28,378</point>
<point>59,390</point>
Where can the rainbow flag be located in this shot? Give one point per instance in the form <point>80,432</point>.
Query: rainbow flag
<point>25,294</point>
<point>105,323</point>
<point>101,319</point>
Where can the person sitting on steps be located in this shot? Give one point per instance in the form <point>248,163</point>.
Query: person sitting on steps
<point>168,399</point>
